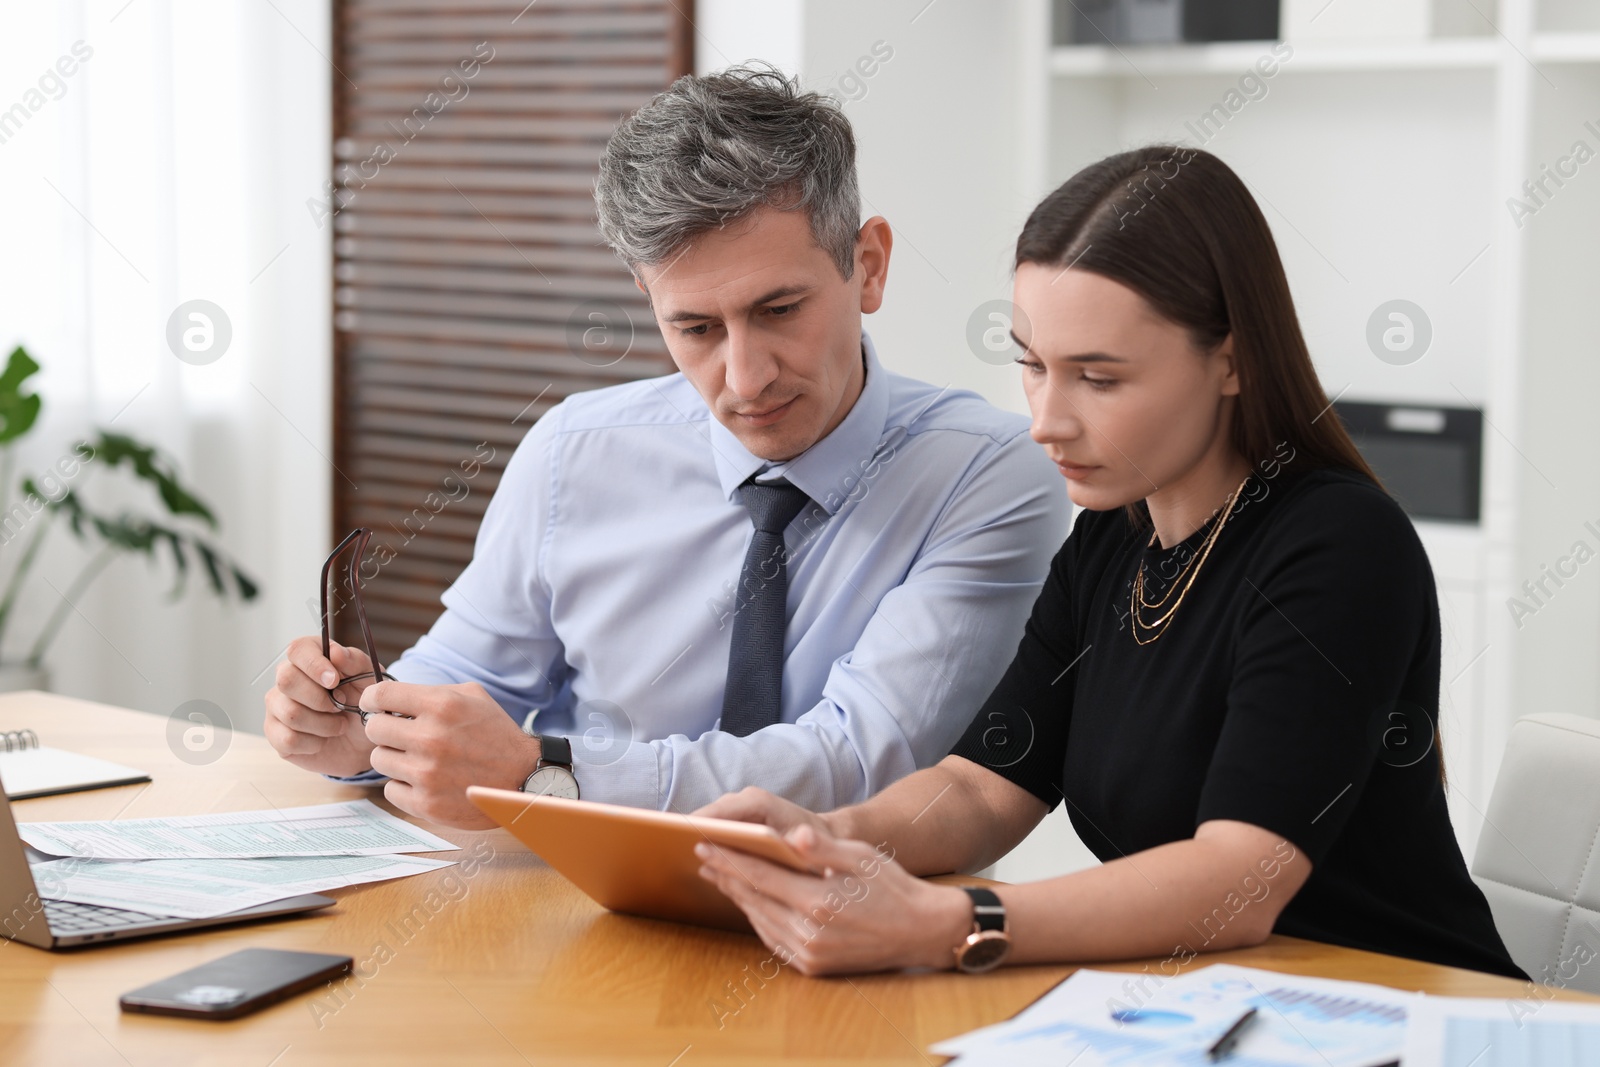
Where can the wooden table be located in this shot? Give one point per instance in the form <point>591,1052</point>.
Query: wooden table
<point>515,967</point>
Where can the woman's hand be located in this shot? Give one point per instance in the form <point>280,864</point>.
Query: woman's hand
<point>754,804</point>
<point>862,912</point>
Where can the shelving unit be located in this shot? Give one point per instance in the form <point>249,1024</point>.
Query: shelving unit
<point>1234,57</point>
<point>1385,168</point>
<point>1566,47</point>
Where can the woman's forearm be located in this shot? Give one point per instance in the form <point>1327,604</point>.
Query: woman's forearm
<point>953,816</point>
<point>1222,889</point>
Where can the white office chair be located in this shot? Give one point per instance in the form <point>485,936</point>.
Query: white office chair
<point>1538,858</point>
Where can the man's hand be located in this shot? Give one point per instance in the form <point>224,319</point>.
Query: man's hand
<point>302,724</point>
<point>452,736</point>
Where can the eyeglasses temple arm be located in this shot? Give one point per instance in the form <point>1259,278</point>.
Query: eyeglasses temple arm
<point>361,608</point>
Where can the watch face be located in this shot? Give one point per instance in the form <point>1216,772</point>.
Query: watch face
<point>984,952</point>
<point>552,782</point>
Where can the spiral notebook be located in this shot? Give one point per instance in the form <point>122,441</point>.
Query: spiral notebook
<point>29,769</point>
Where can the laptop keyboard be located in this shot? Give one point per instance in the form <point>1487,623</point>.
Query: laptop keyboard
<point>70,917</point>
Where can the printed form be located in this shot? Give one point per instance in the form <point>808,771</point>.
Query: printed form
<point>353,828</point>
<point>197,889</point>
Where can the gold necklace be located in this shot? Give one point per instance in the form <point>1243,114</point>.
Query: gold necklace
<point>1158,626</point>
<point>1173,584</point>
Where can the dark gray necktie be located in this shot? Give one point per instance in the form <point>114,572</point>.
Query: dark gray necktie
<point>752,697</point>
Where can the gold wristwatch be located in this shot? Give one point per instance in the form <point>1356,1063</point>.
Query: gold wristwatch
<point>990,941</point>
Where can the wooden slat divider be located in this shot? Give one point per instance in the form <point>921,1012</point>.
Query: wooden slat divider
<point>464,244</point>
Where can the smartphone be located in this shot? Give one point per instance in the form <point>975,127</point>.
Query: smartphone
<point>236,984</point>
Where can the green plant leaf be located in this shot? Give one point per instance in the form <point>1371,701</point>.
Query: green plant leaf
<point>133,534</point>
<point>18,411</point>
<point>67,502</point>
<point>248,589</point>
<point>114,449</point>
<point>213,570</point>
<point>180,563</point>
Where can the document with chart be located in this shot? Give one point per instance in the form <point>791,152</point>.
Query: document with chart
<point>353,828</point>
<point>1103,1018</point>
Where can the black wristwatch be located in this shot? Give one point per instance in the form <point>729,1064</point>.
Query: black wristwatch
<point>552,776</point>
<point>990,941</point>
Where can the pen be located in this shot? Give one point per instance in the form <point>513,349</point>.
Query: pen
<point>1230,1037</point>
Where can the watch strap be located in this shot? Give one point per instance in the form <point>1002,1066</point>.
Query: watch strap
<point>556,750</point>
<point>987,911</point>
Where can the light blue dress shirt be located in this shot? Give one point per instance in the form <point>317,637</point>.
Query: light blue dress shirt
<point>602,589</point>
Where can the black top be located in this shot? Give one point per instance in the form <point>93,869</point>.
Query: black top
<point>1295,689</point>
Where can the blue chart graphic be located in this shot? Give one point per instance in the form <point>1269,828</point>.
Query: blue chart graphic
<point>1321,1008</point>
<point>1292,1027</point>
<point>1148,1017</point>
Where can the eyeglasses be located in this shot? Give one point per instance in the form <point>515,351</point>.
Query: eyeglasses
<point>346,695</point>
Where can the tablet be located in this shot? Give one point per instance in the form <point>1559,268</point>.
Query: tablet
<point>632,860</point>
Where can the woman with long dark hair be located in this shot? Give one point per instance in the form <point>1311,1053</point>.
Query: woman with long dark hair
<point>1231,675</point>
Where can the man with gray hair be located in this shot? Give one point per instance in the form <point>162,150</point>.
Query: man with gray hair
<point>782,566</point>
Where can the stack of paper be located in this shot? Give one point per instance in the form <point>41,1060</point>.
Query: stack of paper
<point>1097,1018</point>
<point>1532,1032</point>
<point>354,828</point>
<point>202,865</point>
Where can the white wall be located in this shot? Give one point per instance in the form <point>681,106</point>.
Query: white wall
<point>938,139</point>
<point>939,134</point>
<point>729,32</point>
<point>1558,438</point>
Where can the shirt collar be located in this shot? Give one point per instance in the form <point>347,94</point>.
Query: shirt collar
<point>827,470</point>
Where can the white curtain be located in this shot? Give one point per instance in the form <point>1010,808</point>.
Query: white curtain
<point>154,152</point>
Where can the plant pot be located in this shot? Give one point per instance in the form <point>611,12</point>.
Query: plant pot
<point>15,676</point>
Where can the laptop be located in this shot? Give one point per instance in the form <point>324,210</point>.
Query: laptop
<point>632,860</point>
<point>55,924</point>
